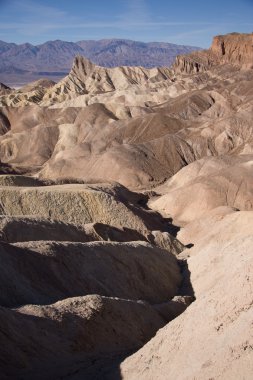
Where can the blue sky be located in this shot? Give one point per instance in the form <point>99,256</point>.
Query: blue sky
<point>188,22</point>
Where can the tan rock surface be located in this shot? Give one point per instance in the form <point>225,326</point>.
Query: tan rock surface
<point>167,241</point>
<point>44,272</point>
<point>213,337</point>
<point>211,182</point>
<point>46,341</point>
<point>80,204</point>
<point>19,229</point>
<point>86,77</point>
<point>19,180</point>
<point>233,48</point>
<point>196,230</point>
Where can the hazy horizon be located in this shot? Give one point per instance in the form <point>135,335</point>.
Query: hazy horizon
<point>185,23</point>
<point>98,40</point>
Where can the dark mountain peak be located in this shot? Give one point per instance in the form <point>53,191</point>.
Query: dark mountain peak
<point>53,59</point>
<point>57,43</point>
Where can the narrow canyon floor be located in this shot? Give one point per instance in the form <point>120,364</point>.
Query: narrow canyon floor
<point>126,221</point>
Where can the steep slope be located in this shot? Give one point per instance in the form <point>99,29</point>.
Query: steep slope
<point>234,48</point>
<point>86,77</point>
<point>213,338</point>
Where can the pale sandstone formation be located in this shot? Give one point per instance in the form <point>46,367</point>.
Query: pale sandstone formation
<point>192,232</point>
<point>78,212</point>
<point>205,185</point>
<point>86,77</point>
<point>31,93</point>
<point>81,151</point>
<point>80,204</point>
<point>41,83</point>
<point>138,146</point>
<point>213,337</point>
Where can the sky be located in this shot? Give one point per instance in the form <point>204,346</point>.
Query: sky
<point>182,22</point>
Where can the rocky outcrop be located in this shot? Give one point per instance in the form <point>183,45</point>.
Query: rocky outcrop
<point>80,204</point>
<point>193,63</point>
<point>86,77</point>
<point>234,48</point>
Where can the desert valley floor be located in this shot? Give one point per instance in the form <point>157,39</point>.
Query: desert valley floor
<point>126,223</point>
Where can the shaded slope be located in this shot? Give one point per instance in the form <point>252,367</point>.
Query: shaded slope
<point>219,345</point>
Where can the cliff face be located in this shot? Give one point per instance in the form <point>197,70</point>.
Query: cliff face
<point>234,48</point>
<point>192,63</point>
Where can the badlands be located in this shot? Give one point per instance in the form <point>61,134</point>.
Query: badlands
<point>126,222</point>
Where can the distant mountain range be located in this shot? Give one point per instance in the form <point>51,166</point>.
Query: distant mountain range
<point>20,64</point>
